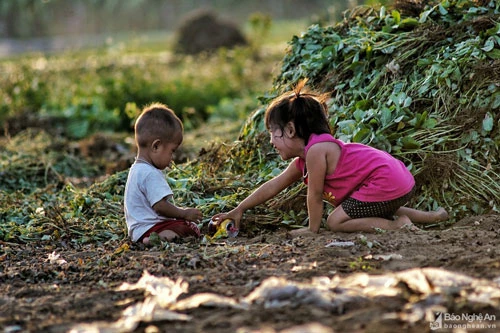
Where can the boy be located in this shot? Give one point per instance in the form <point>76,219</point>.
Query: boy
<point>148,206</point>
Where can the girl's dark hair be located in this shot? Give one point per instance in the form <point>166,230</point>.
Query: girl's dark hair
<point>307,111</point>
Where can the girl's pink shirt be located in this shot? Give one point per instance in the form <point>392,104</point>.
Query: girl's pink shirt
<point>363,173</point>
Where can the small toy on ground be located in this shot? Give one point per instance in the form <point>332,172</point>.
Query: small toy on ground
<point>226,228</point>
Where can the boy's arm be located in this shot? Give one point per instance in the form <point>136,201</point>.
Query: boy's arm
<point>167,209</point>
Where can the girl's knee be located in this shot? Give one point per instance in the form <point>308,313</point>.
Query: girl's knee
<point>336,220</point>
<point>333,227</point>
<point>332,224</point>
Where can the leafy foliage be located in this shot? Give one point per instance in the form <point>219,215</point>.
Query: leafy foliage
<point>424,88</point>
<point>83,93</point>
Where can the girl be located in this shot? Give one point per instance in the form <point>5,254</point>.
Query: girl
<point>367,186</point>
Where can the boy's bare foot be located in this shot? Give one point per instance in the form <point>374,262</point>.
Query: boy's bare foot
<point>156,239</point>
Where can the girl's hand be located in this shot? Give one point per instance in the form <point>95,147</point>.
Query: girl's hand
<point>192,214</point>
<point>234,215</point>
<point>302,232</point>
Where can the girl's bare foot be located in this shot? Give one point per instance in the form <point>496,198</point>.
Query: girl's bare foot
<point>404,222</point>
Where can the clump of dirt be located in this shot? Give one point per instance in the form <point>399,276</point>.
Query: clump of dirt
<point>28,119</point>
<point>204,31</point>
<point>114,151</point>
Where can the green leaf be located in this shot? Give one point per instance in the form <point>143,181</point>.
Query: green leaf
<point>430,123</point>
<point>363,104</point>
<point>362,135</point>
<point>489,45</point>
<point>358,115</point>
<point>408,23</point>
<point>388,49</point>
<point>385,116</point>
<point>425,15</point>
<point>409,143</point>
<point>407,102</point>
<point>396,16</point>
<point>488,122</point>
<point>424,62</point>
<point>421,119</point>
<point>442,10</point>
<point>494,54</point>
<point>400,99</point>
<point>346,126</point>
<point>398,119</point>
<point>382,11</point>
<point>493,31</point>
<point>496,100</point>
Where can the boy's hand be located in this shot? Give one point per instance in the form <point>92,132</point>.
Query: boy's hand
<point>192,214</point>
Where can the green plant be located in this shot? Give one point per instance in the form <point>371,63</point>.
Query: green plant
<point>360,265</point>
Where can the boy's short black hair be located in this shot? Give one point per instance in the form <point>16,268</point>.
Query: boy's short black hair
<point>156,121</point>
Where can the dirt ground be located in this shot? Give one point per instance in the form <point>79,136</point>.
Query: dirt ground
<point>386,282</point>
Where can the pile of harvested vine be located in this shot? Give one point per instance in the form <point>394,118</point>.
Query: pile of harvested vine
<point>420,82</point>
<point>426,88</point>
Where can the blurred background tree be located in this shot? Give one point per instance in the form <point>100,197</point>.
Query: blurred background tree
<point>45,18</point>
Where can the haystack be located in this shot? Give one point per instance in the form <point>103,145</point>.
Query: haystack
<point>204,31</point>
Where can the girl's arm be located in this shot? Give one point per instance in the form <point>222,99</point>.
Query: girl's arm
<point>272,187</point>
<point>317,166</point>
<point>265,192</point>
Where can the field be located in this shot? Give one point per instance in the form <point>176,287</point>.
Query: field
<point>68,266</point>
<point>262,282</point>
